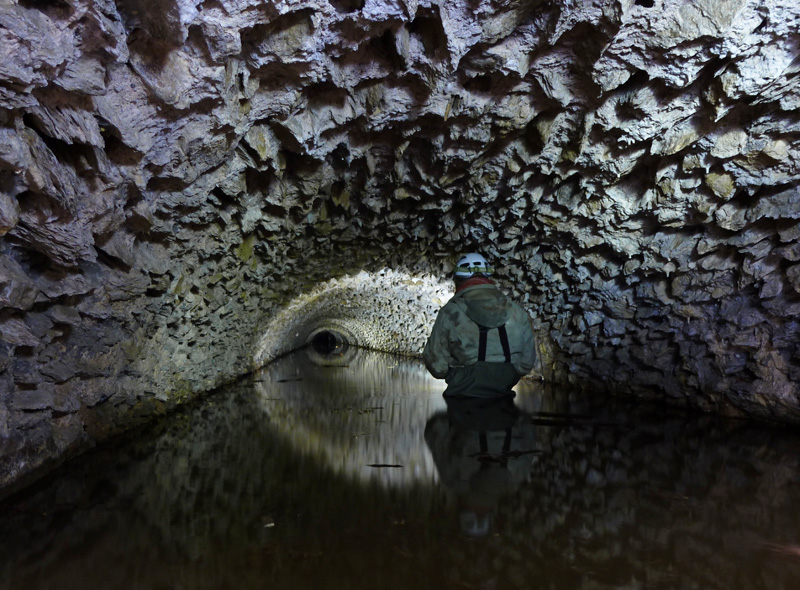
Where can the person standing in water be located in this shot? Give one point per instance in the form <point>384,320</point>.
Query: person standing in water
<point>482,342</point>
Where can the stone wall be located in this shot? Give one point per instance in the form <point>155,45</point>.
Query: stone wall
<point>175,173</point>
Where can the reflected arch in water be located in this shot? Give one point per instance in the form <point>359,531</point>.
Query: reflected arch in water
<point>360,413</point>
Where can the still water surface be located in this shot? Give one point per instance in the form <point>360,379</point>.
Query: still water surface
<point>351,472</point>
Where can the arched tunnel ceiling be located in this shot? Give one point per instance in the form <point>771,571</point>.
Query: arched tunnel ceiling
<point>174,174</point>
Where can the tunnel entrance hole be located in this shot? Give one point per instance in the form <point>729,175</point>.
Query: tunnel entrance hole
<point>329,342</point>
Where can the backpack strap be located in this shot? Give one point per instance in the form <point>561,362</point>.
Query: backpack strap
<point>482,343</point>
<point>503,342</point>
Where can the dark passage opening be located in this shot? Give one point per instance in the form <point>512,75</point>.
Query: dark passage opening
<point>328,342</point>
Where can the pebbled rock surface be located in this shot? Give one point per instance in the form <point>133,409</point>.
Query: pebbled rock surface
<point>177,176</point>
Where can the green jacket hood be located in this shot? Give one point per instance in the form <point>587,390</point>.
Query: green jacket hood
<point>486,305</point>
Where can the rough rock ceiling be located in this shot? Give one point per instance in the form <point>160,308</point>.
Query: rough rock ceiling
<point>174,174</point>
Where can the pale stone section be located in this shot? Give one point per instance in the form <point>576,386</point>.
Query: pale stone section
<point>388,311</point>
<point>175,173</point>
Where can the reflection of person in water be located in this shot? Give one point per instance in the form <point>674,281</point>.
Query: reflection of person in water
<point>471,446</point>
<point>481,342</point>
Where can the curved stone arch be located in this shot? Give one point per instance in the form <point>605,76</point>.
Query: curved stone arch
<point>389,311</point>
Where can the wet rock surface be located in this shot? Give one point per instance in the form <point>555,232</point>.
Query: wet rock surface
<point>175,175</point>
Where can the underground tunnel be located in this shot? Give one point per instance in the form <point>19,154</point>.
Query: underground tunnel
<point>191,189</point>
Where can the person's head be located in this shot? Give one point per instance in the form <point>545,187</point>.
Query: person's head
<point>469,266</point>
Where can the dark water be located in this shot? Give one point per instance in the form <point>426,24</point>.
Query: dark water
<point>352,473</point>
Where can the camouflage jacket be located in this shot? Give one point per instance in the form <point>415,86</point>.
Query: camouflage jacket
<point>454,339</point>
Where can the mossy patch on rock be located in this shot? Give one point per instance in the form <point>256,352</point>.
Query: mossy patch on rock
<point>245,250</point>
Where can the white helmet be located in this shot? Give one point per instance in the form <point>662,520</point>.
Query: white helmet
<point>471,264</point>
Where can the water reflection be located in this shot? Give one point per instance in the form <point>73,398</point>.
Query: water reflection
<point>479,446</point>
<point>359,412</point>
<point>292,481</point>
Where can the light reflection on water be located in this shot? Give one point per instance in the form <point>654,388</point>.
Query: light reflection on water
<point>351,472</point>
<point>354,411</point>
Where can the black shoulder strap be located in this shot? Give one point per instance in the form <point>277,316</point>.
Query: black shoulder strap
<point>482,343</point>
<point>503,342</point>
